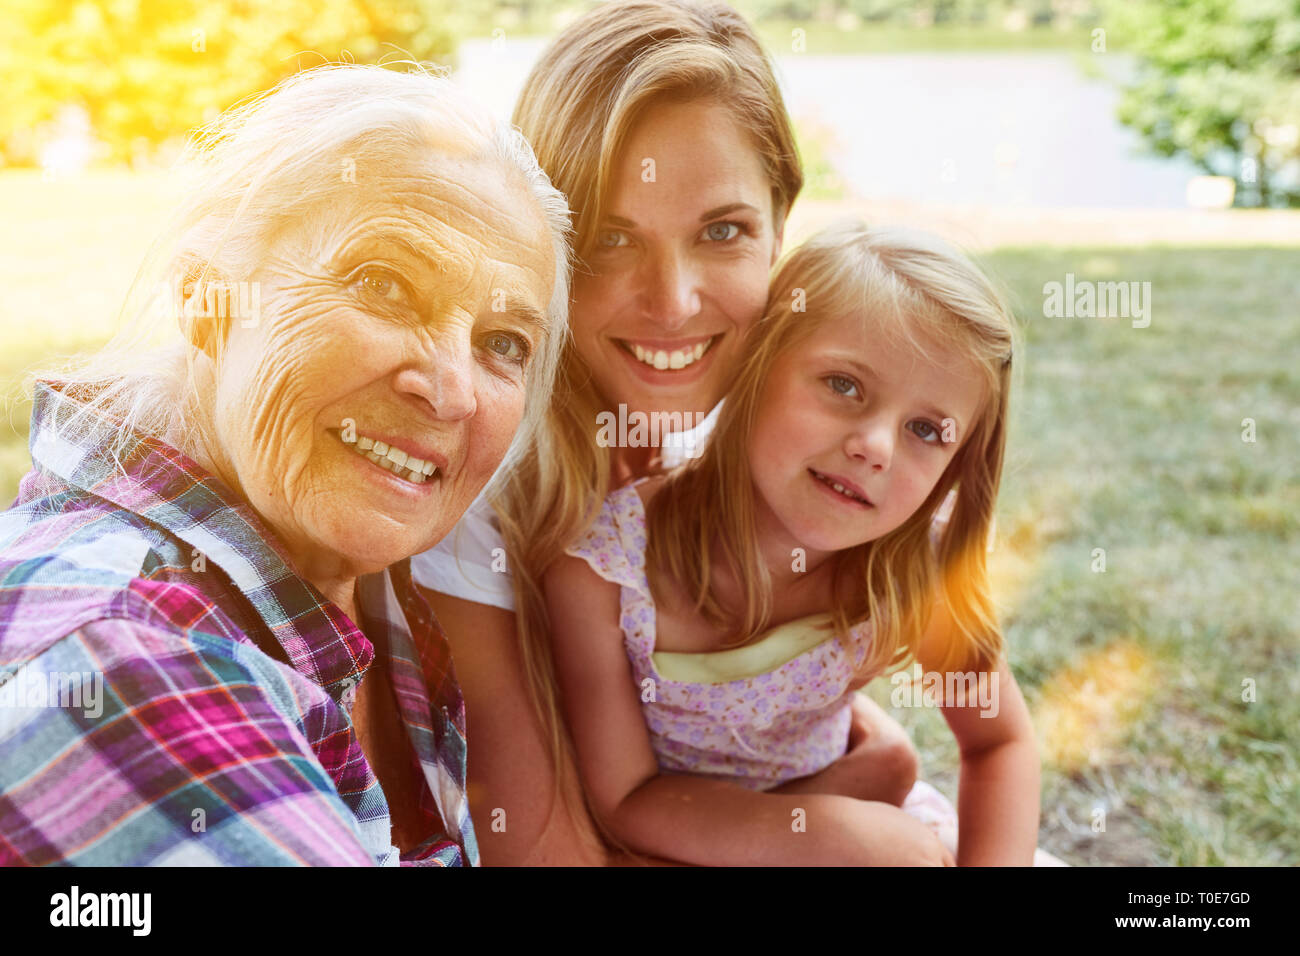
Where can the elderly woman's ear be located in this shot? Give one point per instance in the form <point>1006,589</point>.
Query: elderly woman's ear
<point>205,307</point>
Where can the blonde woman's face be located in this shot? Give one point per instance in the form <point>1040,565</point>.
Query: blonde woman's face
<point>679,273</point>
<point>881,421</point>
<point>402,317</point>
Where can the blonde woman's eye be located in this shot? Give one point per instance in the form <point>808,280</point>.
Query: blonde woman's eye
<point>926,431</point>
<point>722,231</point>
<point>842,385</point>
<point>513,348</point>
<point>611,239</point>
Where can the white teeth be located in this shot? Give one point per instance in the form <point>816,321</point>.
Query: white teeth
<point>840,488</point>
<point>677,359</point>
<point>412,469</point>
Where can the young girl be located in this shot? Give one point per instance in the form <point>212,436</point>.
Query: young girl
<point>711,628</point>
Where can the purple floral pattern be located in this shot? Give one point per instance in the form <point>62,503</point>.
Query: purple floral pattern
<point>758,731</point>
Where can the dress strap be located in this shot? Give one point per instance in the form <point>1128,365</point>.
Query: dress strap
<point>614,546</point>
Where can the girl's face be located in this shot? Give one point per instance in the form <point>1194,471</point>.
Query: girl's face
<point>843,407</point>
<point>679,272</point>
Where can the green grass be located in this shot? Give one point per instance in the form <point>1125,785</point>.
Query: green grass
<point>1130,440</point>
<point>65,263</point>
<point>1123,439</point>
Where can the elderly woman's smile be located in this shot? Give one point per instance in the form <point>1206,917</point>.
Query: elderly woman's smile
<point>386,378</point>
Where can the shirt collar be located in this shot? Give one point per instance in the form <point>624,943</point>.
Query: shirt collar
<point>170,490</point>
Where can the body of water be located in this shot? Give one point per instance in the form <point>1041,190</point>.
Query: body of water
<point>1012,129</point>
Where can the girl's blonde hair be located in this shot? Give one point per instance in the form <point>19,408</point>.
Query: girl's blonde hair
<point>908,288</point>
<point>578,106</point>
<point>262,165</point>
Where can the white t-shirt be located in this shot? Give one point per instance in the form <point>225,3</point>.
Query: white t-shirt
<point>465,563</point>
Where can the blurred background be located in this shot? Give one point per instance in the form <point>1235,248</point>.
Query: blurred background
<point>1147,546</point>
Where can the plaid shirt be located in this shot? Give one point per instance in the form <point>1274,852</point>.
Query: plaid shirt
<point>171,692</point>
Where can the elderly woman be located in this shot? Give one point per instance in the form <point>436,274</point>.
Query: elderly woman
<point>211,649</point>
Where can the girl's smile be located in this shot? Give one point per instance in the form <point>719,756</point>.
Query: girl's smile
<point>842,488</point>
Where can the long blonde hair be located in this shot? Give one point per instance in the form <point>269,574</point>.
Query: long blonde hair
<point>579,104</point>
<point>909,287</point>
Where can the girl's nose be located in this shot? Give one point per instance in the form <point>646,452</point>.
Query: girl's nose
<point>872,442</point>
<point>671,291</point>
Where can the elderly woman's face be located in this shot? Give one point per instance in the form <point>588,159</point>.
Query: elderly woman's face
<point>679,273</point>
<point>406,313</point>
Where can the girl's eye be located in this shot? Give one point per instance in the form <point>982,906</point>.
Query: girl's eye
<point>514,348</point>
<point>718,231</point>
<point>842,385</point>
<point>611,239</point>
<point>926,431</point>
<point>383,285</point>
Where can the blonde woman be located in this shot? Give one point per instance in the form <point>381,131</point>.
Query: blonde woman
<point>663,124</point>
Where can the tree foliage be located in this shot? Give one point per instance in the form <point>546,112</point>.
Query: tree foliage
<point>146,71</point>
<point>1218,81</point>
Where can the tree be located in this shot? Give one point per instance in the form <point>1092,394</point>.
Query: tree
<point>146,71</point>
<point>1218,81</point>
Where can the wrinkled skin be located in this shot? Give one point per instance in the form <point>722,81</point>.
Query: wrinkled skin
<point>379,308</point>
<point>661,273</point>
<point>879,427</point>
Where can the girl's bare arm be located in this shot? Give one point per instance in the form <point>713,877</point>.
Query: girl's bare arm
<point>998,799</point>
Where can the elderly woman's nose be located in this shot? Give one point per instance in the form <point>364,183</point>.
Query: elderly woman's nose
<point>671,290</point>
<point>444,378</point>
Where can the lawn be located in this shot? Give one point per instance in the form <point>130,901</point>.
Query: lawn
<point>1131,440</point>
<point>1124,439</point>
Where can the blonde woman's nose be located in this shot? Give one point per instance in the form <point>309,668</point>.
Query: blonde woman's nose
<point>671,291</point>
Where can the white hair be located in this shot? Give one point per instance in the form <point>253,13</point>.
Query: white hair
<point>270,161</point>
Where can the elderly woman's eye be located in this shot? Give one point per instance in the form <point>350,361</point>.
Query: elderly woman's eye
<point>512,347</point>
<point>384,285</point>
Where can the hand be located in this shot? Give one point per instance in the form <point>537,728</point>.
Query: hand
<point>915,844</point>
<point>877,834</point>
<point>880,763</point>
